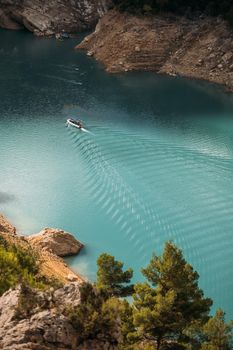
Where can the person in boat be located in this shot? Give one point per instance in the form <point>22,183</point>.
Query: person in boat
<point>79,124</point>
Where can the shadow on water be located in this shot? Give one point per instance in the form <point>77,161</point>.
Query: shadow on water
<point>6,197</point>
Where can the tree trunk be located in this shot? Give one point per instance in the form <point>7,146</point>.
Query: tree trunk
<point>159,342</point>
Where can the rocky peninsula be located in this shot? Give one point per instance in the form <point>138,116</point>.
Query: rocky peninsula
<point>199,48</point>
<point>39,319</point>
<point>49,245</point>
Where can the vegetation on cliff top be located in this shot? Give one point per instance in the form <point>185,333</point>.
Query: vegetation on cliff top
<point>168,310</point>
<point>18,265</point>
<point>210,7</point>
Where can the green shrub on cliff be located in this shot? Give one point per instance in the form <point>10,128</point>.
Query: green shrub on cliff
<point>97,317</point>
<point>17,264</point>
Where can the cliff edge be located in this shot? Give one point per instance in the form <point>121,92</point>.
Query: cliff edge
<point>200,48</point>
<point>49,17</point>
<point>48,245</point>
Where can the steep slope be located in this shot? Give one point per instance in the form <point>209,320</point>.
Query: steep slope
<point>200,48</point>
<point>51,265</point>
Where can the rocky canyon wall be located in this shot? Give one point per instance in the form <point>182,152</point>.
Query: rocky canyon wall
<point>44,17</point>
<point>199,48</point>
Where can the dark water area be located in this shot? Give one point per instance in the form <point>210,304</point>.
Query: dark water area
<point>156,165</point>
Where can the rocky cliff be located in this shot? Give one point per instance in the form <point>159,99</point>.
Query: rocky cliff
<point>41,324</point>
<point>49,245</point>
<point>200,48</point>
<point>39,319</point>
<point>44,17</point>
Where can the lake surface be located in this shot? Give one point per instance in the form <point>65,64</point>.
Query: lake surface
<point>156,165</point>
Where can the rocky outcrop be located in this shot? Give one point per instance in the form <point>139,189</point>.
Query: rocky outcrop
<point>56,241</point>
<point>44,17</point>
<point>50,264</point>
<point>46,327</point>
<point>43,323</point>
<point>6,226</point>
<point>199,48</point>
<point>32,319</point>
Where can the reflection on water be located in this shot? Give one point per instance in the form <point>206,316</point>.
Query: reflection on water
<point>157,164</point>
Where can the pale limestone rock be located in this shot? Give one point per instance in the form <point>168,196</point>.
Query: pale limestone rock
<point>44,329</point>
<point>69,293</point>
<point>47,327</point>
<point>227,57</point>
<point>56,241</point>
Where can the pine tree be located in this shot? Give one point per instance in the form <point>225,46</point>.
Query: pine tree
<point>218,334</point>
<point>96,317</point>
<point>174,300</point>
<point>111,278</point>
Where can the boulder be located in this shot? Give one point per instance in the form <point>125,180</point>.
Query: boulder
<point>57,241</point>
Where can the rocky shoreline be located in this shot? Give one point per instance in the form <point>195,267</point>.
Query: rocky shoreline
<point>39,319</point>
<point>200,48</point>
<point>45,18</point>
<point>49,245</point>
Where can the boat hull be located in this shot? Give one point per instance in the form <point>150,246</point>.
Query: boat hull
<point>69,122</point>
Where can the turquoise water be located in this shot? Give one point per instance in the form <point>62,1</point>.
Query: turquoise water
<point>156,165</point>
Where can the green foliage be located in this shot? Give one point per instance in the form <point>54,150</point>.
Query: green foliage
<point>95,316</point>
<point>17,265</point>
<point>111,278</point>
<point>174,301</point>
<point>210,7</point>
<point>169,311</point>
<point>217,334</point>
<point>29,300</point>
<point>128,329</point>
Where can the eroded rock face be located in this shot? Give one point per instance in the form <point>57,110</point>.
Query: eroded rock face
<point>56,241</point>
<point>50,264</point>
<point>6,226</point>
<point>44,17</point>
<point>68,294</point>
<point>45,328</point>
<point>199,48</point>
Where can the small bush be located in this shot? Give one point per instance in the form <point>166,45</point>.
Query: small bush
<point>18,265</point>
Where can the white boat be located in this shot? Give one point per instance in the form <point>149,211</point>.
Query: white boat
<point>76,123</point>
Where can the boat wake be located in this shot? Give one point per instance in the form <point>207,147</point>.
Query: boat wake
<point>77,125</point>
<point>87,131</point>
<point>117,200</point>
